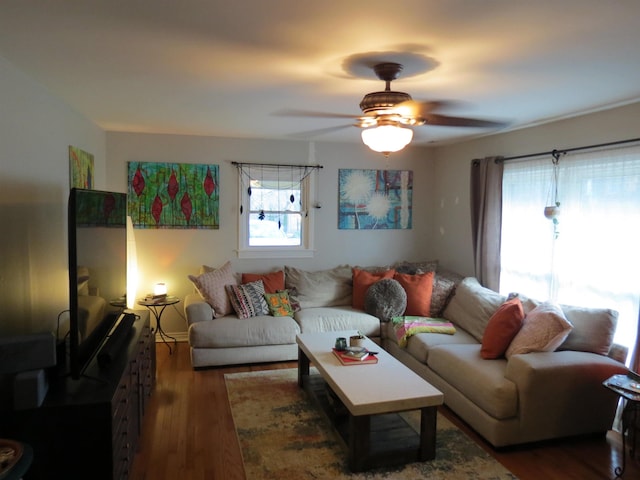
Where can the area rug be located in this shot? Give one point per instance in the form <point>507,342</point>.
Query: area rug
<point>284,435</point>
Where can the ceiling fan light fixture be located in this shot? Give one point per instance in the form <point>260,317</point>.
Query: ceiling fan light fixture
<point>387,138</point>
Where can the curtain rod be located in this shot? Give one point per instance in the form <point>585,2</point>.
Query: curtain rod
<point>567,150</point>
<point>240,164</point>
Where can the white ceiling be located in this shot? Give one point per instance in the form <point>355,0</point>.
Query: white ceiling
<point>225,67</point>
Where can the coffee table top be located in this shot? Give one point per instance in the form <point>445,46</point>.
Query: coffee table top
<point>383,387</point>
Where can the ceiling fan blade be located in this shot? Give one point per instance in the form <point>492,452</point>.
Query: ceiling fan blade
<point>320,131</point>
<point>416,108</point>
<point>447,121</point>
<point>312,114</point>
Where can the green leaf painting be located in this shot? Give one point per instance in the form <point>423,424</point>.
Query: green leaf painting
<point>173,195</point>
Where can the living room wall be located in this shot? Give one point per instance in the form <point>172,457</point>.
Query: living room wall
<point>36,129</point>
<point>169,255</point>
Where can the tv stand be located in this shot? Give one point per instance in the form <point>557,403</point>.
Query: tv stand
<point>89,429</point>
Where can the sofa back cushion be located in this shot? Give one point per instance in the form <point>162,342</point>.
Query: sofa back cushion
<point>323,288</point>
<point>593,329</point>
<point>472,306</point>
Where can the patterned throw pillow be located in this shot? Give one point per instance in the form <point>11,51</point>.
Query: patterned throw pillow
<point>211,286</point>
<point>279,304</point>
<point>248,299</point>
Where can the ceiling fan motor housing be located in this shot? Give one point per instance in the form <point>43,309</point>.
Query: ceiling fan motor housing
<point>380,101</point>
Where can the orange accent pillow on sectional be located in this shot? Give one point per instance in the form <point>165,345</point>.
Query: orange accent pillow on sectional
<point>273,281</point>
<point>419,288</point>
<point>362,280</point>
<point>501,329</point>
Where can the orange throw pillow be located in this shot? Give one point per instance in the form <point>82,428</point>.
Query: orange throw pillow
<point>273,281</point>
<point>503,326</point>
<point>419,288</point>
<point>362,280</point>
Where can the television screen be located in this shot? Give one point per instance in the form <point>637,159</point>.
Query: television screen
<point>97,271</point>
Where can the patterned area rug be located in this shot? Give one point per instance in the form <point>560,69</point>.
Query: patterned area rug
<point>285,436</point>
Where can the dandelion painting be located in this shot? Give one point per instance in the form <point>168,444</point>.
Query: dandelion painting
<point>173,195</point>
<point>375,199</point>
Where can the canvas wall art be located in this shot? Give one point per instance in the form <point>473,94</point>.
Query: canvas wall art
<point>173,195</point>
<point>375,199</point>
<point>80,168</point>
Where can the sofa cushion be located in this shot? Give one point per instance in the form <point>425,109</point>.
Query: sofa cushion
<point>230,332</point>
<point>593,329</point>
<point>419,288</point>
<point>248,299</point>
<point>481,381</point>
<point>323,288</point>
<point>385,299</point>
<point>362,280</point>
<point>273,281</point>
<point>210,286</point>
<point>502,328</point>
<point>472,306</point>
<point>543,330</point>
<point>325,319</point>
<point>419,344</point>
<point>416,267</point>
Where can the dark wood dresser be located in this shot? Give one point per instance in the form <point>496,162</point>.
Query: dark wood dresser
<point>89,428</point>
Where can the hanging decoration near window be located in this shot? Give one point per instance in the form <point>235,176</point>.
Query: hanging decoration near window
<point>257,175</point>
<point>552,210</point>
<point>173,195</point>
<point>375,199</point>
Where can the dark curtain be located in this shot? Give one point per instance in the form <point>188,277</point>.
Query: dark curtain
<point>486,219</point>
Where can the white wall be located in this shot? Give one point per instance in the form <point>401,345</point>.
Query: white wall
<point>452,217</point>
<point>169,255</point>
<point>36,130</point>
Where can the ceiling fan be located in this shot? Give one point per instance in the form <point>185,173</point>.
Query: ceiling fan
<point>387,114</point>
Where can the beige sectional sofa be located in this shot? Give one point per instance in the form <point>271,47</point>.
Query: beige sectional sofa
<point>528,397</point>
<point>325,305</point>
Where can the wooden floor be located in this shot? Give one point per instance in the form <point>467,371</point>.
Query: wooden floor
<point>188,433</point>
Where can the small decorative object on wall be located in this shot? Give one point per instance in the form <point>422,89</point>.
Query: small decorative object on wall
<point>375,199</point>
<point>173,195</point>
<point>80,168</point>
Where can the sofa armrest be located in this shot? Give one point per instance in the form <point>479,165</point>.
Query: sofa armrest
<point>564,388</point>
<point>196,309</point>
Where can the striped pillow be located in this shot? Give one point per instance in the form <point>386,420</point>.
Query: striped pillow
<point>248,299</point>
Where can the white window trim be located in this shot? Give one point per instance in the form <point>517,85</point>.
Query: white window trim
<point>306,250</point>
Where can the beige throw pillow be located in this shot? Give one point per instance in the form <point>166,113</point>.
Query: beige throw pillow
<point>543,330</point>
<point>211,285</point>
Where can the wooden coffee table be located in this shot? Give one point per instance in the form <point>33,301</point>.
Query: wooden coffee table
<point>372,395</point>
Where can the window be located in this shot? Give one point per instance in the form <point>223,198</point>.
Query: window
<point>274,218</point>
<point>594,259</point>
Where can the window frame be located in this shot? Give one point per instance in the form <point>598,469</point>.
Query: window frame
<point>304,250</point>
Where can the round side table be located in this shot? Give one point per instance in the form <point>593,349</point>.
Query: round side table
<point>156,307</point>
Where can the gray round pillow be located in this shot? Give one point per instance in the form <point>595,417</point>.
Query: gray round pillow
<point>385,299</point>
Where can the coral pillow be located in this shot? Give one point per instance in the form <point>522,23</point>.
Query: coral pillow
<point>544,329</point>
<point>419,289</point>
<point>362,280</point>
<point>211,285</point>
<point>501,329</point>
<point>272,281</point>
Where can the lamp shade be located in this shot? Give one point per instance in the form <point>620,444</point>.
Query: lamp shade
<point>387,138</point>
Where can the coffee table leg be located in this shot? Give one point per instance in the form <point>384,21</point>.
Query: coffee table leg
<point>359,438</point>
<point>428,433</point>
<point>303,367</point>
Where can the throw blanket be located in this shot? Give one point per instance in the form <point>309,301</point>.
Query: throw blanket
<point>410,325</point>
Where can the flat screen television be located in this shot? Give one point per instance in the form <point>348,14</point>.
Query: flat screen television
<point>97,237</point>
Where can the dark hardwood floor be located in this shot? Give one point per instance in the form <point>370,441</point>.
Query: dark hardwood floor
<point>188,433</point>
